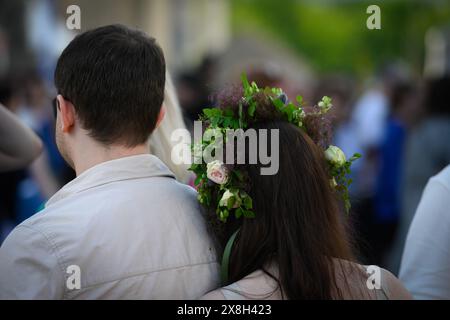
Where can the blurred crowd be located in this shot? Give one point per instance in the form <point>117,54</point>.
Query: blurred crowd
<point>23,191</point>
<point>398,121</point>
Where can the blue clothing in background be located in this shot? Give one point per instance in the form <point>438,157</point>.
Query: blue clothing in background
<point>388,188</point>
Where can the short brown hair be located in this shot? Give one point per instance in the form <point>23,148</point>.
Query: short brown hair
<point>115,78</point>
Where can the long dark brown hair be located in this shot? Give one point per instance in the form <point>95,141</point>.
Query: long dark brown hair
<point>299,224</point>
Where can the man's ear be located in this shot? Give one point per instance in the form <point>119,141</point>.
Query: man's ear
<point>161,114</point>
<point>67,114</point>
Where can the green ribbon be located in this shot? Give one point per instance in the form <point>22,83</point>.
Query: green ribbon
<point>226,258</point>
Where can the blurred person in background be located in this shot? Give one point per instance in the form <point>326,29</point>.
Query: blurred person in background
<point>341,88</point>
<point>49,172</point>
<point>19,147</point>
<point>25,190</point>
<point>32,34</point>
<point>160,142</point>
<point>265,77</point>
<point>403,109</point>
<point>425,267</point>
<point>366,127</point>
<point>36,112</point>
<point>46,35</point>
<point>427,152</point>
<point>194,89</point>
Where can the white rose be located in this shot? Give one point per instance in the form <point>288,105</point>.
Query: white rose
<point>335,155</point>
<point>217,172</point>
<point>226,196</point>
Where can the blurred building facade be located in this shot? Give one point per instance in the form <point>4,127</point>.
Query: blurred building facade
<point>186,29</point>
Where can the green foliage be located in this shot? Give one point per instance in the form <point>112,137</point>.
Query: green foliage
<point>229,197</point>
<point>333,36</point>
<point>340,173</point>
<point>220,119</point>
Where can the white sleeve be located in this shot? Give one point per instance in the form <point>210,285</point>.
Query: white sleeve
<point>425,268</point>
<point>29,267</point>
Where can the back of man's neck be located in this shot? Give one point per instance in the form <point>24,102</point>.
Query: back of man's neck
<point>90,158</point>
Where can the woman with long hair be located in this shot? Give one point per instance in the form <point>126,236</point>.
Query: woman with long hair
<point>160,142</point>
<point>294,243</point>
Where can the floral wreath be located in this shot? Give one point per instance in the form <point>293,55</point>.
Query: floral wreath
<point>222,188</point>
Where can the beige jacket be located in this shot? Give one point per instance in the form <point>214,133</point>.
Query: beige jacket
<point>124,229</point>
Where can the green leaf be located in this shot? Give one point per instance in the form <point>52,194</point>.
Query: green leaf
<point>249,214</point>
<point>223,214</point>
<point>252,109</point>
<point>275,91</point>
<point>254,87</point>
<point>235,123</point>
<point>197,180</point>
<point>355,157</point>
<point>194,167</point>
<point>238,213</point>
<point>240,116</point>
<point>239,175</point>
<point>245,83</point>
<point>208,198</point>
<point>289,110</point>
<point>230,203</point>
<point>278,104</point>
<point>248,202</point>
<point>228,112</point>
<point>212,112</point>
<point>215,122</point>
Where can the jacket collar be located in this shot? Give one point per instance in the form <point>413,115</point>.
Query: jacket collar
<point>132,167</point>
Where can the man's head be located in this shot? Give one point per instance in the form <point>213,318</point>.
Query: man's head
<point>110,84</point>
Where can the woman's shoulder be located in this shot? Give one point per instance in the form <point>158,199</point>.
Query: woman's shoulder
<point>230,292</point>
<point>394,288</point>
<point>371,281</point>
<point>355,281</point>
<point>214,295</point>
<point>257,285</point>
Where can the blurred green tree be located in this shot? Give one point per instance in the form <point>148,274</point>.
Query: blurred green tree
<point>333,35</point>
